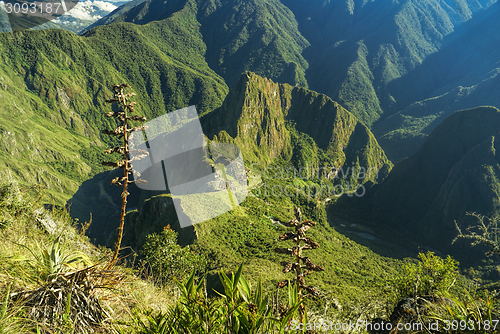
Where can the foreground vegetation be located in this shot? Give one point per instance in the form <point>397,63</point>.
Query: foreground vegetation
<point>42,255</point>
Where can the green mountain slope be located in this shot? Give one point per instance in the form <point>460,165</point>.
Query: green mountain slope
<point>54,84</point>
<point>359,47</point>
<point>454,172</point>
<point>463,74</point>
<point>352,51</point>
<point>258,36</point>
<point>353,273</point>
<point>240,35</point>
<point>278,128</point>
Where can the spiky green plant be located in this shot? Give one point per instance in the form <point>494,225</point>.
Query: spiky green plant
<point>240,309</point>
<point>47,262</point>
<point>432,275</point>
<point>301,265</point>
<point>13,205</point>
<point>470,312</point>
<point>122,131</point>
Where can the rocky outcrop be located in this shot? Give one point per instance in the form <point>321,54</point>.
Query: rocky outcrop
<point>260,116</point>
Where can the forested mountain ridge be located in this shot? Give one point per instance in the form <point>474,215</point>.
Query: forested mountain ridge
<point>256,113</point>
<point>56,83</point>
<point>352,51</point>
<point>276,127</point>
<point>359,47</point>
<point>463,74</point>
<point>455,172</point>
<point>239,35</point>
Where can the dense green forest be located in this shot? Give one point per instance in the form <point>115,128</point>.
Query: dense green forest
<point>368,133</point>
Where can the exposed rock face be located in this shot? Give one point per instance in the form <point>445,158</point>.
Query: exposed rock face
<point>258,115</point>
<point>252,114</point>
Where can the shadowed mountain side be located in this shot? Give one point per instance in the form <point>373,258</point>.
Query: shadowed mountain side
<point>467,57</point>
<point>359,47</point>
<point>463,74</point>
<point>455,171</point>
<point>473,185</point>
<point>99,198</point>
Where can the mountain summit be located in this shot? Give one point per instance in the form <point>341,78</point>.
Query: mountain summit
<point>261,116</point>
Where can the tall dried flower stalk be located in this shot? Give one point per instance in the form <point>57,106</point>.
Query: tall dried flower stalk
<point>127,152</point>
<point>307,267</point>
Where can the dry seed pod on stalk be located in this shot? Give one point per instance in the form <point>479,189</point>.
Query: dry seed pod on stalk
<point>301,243</point>
<point>123,132</point>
